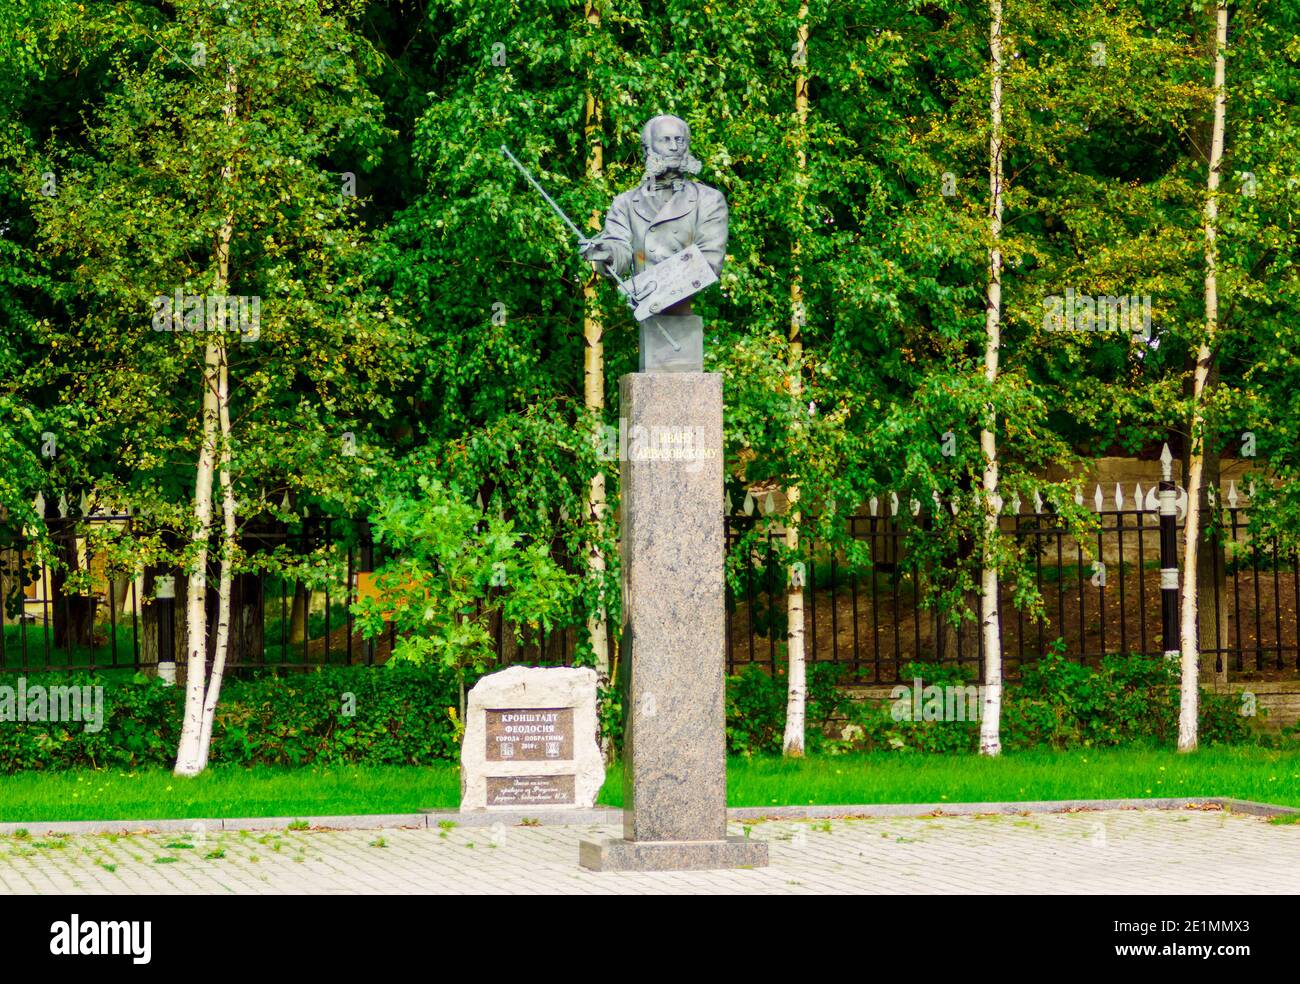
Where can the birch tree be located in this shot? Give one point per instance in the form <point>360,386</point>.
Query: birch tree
<point>593,356</point>
<point>228,547</point>
<point>1189,657</point>
<point>796,667</point>
<point>191,755</point>
<point>503,383</point>
<point>201,176</point>
<point>991,711</point>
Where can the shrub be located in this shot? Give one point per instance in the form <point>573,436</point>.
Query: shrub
<point>401,716</point>
<point>404,714</point>
<point>889,725</point>
<point>755,712</point>
<point>1132,698</point>
<point>756,703</point>
<point>1127,700</point>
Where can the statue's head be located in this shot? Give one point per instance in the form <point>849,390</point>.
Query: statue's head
<point>666,146</point>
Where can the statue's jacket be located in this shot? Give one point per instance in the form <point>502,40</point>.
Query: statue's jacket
<point>640,234</point>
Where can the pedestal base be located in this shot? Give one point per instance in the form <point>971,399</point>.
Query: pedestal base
<point>626,855</point>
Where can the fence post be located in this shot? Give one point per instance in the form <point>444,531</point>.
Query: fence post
<point>165,599</point>
<point>1168,556</point>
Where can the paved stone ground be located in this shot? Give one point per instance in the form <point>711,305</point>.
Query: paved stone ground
<point>1117,851</point>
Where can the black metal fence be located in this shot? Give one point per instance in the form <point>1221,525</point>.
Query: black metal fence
<point>868,618</point>
<point>872,620</point>
<point>127,620</point>
<point>131,618</point>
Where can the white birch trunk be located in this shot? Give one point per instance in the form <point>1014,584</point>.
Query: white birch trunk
<point>593,385</point>
<point>187,755</point>
<point>1189,682</point>
<point>222,647</point>
<point>593,372</point>
<point>796,700</point>
<point>991,709</point>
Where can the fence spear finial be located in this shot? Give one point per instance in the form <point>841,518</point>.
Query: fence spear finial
<point>1166,464</point>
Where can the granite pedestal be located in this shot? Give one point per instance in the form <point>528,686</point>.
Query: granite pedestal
<point>675,780</point>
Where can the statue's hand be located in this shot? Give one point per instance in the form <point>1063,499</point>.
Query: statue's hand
<point>599,254</point>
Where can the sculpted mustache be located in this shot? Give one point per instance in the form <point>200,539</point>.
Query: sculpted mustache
<point>686,161</point>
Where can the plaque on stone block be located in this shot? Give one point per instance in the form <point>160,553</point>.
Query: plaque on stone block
<point>530,790</point>
<point>531,740</point>
<point>530,734</point>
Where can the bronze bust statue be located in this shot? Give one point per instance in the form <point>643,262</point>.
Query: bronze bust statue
<point>670,234</point>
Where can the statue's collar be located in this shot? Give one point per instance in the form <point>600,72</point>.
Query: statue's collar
<point>681,201</point>
<point>655,184</point>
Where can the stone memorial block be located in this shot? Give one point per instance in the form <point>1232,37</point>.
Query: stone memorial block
<point>530,741</point>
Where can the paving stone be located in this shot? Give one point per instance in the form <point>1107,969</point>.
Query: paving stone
<point>1101,852</point>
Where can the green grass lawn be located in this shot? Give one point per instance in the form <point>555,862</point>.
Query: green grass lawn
<point>227,791</point>
<point>1244,773</point>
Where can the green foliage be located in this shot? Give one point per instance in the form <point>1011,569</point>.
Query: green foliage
<point>406,715</point>
<point>452,569</point>
<point>756,703</point>
<point>609,705</point>
<point>896,726</point>
<point>1220,721</point>
<point>199,118</point>
<point>755,712</point>
<point>1130,698</point>
<point>435,318</point>
<point>1057,704</point>
<point>531,468</point>
<point>401,718</point>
